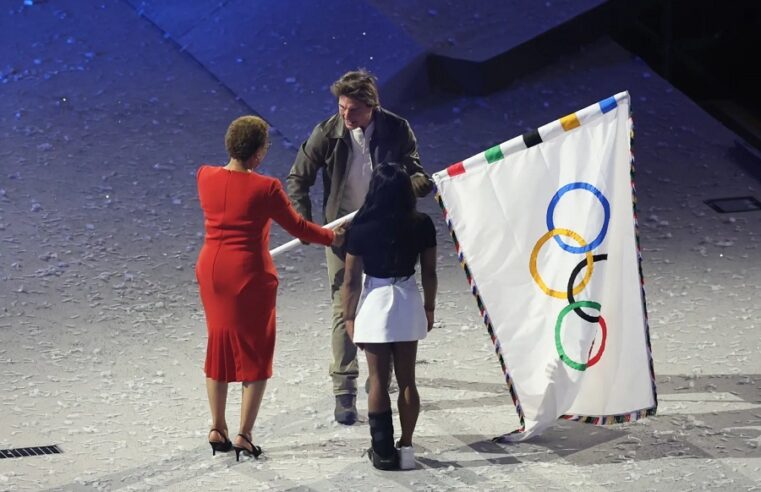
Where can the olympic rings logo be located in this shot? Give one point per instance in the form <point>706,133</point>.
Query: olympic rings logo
<point>573,289</point>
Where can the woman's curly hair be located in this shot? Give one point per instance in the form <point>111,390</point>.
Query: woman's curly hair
<point>245,137</point>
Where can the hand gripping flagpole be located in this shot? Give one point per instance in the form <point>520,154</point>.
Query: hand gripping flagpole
<point>292,244</point>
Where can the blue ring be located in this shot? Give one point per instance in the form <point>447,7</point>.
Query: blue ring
<point>605,222</point>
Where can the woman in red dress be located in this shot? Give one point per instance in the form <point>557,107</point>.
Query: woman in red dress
<point>237,278</point>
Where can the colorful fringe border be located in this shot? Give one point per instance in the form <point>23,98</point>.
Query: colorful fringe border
<point>497,153</point>
<point>483,311</point>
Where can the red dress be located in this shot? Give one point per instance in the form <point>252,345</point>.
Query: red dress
<point>235,272</point>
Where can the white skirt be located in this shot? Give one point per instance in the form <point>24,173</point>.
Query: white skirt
<point>390,310</point>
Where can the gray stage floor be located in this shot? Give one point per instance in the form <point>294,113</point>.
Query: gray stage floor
<point>102,125</point>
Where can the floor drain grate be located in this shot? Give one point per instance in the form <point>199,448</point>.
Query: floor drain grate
<point>24,452</point>
<point>734,205</point>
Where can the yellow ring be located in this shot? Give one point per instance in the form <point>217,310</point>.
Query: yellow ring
<point>535,254</point>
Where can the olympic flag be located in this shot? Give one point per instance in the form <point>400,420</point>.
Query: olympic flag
<point>545,229</point>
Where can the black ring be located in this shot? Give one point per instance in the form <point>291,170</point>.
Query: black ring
<point>572,280</point>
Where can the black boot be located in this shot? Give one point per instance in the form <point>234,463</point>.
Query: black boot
<point>383,453</point>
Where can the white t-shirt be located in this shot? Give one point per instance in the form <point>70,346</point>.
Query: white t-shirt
<point>360,169</point>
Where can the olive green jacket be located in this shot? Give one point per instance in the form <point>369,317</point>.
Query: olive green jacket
<point>328,149</point>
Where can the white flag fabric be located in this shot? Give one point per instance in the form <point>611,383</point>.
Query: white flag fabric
<point>545,228</point>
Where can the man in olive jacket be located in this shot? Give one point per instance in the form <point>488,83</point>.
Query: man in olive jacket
<point>345,148</point>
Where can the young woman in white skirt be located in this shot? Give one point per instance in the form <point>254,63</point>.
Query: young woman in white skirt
<point>384,314</point>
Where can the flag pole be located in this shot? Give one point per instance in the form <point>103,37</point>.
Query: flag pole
<point>295,242</point>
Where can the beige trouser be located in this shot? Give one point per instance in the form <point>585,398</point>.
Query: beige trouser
<point>344,368</point>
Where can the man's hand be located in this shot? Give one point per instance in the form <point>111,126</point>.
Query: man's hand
<point>421,184</point>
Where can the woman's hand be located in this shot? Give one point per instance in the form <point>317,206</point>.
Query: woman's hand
<point>339,236</point>
<point>429,317</point>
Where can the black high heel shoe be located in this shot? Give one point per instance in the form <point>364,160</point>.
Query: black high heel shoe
<point>221,446</point>
<point>255,450</point>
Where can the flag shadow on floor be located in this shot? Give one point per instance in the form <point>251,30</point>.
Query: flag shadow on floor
<point>701,417</point>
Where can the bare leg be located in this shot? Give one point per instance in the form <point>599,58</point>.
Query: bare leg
<point>405,354</point>
<point>217,393</point>
<point>378,362</point>
<point>251,400</point>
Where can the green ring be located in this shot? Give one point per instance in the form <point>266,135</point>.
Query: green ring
<point>558,344</point>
